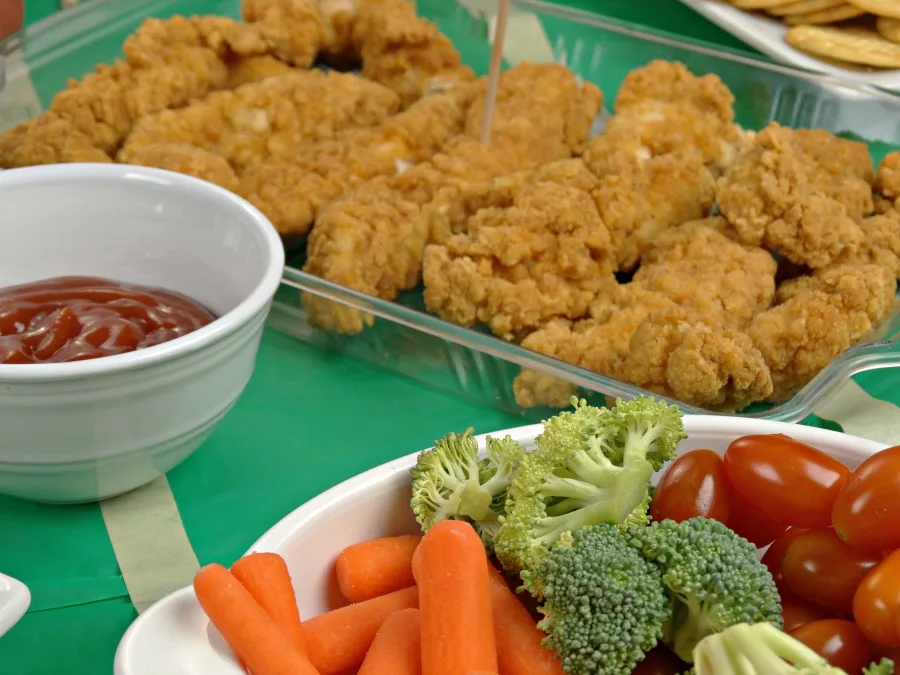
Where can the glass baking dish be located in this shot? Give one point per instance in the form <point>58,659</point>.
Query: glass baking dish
<point>403,338</point>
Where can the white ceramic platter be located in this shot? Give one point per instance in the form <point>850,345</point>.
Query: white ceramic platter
<point>173,637</point>
<point>14,600</point>
<point>767,35</point>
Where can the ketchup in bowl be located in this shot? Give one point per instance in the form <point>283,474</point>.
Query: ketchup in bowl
<point>78,318</point>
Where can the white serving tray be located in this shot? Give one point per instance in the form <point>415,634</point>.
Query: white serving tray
<point>767,35</point>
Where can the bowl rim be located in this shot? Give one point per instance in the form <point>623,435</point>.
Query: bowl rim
<point>213,332</point>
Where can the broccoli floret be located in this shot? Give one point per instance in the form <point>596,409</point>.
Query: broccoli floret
<point>762,649</point>
<point>450,481</point>
<point>603,604</point>
<point>714,577</point>
<point>592,465</point>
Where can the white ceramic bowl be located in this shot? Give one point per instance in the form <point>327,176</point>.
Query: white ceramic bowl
<point>175,637</point>
<point>14,600</point>
<point>83,431</point>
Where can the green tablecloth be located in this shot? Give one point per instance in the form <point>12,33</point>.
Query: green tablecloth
<point>308,420</point>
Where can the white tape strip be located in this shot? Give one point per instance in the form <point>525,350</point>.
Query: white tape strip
<point>526,39</point>
<point>862,415</point>
<point>154,553</point>
<point>18,99</point>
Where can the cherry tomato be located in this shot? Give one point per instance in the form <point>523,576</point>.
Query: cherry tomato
<point>660,661</point>
<point>867,511</point>
<point>774,555</point>
<point>876,605</point>
<point>750,523</point>
<point>797,612</point>
<point>823,570</point>
<point>693,485</point>
<point>785,479</point>
<point>837,640</point>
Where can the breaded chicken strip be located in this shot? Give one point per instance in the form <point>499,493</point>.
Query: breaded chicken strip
<point>522,262</point>
<point>818,318</point>
<point>47,139</point>
<point>251,69</point>
<point>706,271</point>
<point>189,160</point>
<point>557,103</point>
<point>666,108</point>
<point>159,42</point>
<point>881,242</point>
<point>293,28</point>
<point>289,190</point>
<point>866,287</point>
<point>644,199</point>
<point>887,180</point>
<point>675,353</point>
<point>778,196</point>
<point>406,52</point>
<point>272,117</point>
<point>449,212</point>
<point>104,105</point>
<point>599,343</point>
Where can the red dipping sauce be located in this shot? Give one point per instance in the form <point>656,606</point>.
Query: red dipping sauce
<point>78,318</point>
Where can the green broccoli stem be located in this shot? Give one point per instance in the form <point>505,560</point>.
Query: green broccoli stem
<point>687,625</point>
<point>592,504</point>
<point>638,442</point>
<point>771,651</point>
<point>474,500</point>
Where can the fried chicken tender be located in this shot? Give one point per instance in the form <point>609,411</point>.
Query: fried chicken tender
<point>449,212</point>
<point>679,237</point>
<point>189,160</point>
<point>521,263</point>
<point>159,42</point>
<point>47,139</point>
<point>676,354</point>
<point>817,318</point>
<point>667,108</point>
<point>252,69</point>
<point>294,29</point>
<point>887,180</point>
<point>881,243</point>
<point>701,268</point>
<point>272,117</point>
<point>599,343</point>
<point>778,196</point>
<point>645,199</point>
<point>369,241</point>
<point>870,288</point>
<point>406,52</point>
<point>290,190</point>
<point>558,103</point>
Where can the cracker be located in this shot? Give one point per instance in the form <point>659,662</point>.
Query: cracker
<point>889,28</point>
<point>826,16</point>
<point>855,45</point>
<point>752,5</point>
<point>879,7</point>
<point>805,7</point>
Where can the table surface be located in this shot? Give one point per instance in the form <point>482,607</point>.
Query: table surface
<point>307,420</point>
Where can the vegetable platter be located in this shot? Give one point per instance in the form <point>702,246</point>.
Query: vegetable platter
<point>632,511</point>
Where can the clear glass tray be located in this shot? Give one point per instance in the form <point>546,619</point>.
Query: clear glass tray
<point>403,338</point>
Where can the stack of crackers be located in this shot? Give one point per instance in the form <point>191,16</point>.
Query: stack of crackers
<point>858,32</point>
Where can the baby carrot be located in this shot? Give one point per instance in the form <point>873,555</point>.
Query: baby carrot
<point>267,578</point>
<point>338,640</point>
<point>451,570</point>
<point>519,648</point>
<point>249,631</point>
<point>372,568</point>
<point>397,647</point>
